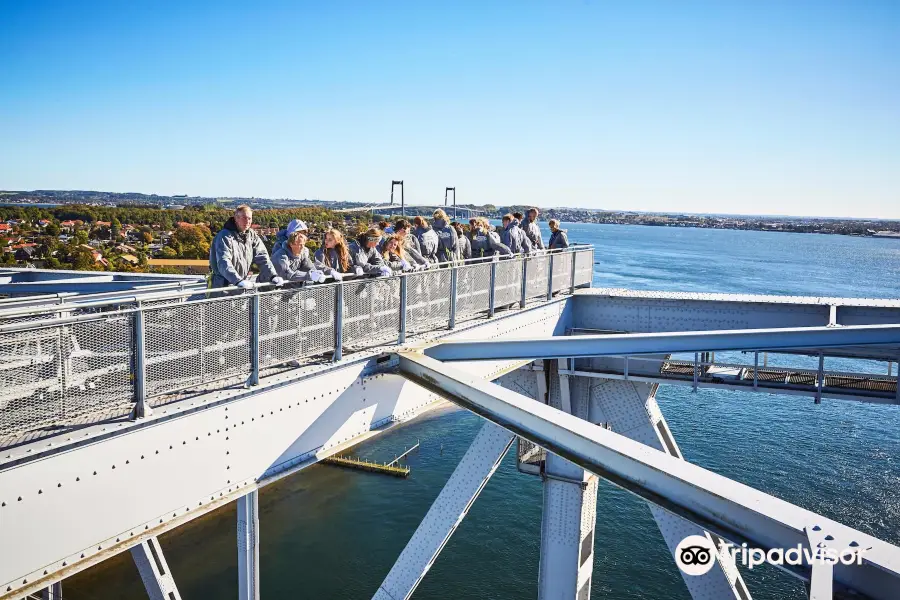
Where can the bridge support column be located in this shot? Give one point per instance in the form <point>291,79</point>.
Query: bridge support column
<point>248,546</point>
<point>151,564</point>
<point>630,409</point>
<point>570,509</point>
<point>468,479</point>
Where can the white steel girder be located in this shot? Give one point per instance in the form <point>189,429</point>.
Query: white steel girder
<point>732,510</point>
<point>151,564</point>
<point>129,481</point>
<point>569,512</point>
<point>248,546</point>
<point>446,513</point>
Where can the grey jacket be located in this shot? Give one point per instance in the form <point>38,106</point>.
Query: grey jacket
<point>465,248</point>
<point>558,239</point>
<point>448,241</point>
<point>333,259</point>
<point>487,244</point>
<point>368,258</point>
<point>428,243</point>
<point>412,251</point>
<point>232,254</point>
<point>533,232</point>
<point>514,238</point>
<point>291,267</point>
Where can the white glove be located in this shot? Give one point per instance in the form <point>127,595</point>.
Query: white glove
<point>246,284</point>
<point>358,270</point>
<point>278,281</point>
<point>316,276</point>
<point>496,257</point>
<point>404,264</point>
<point>337,276</point>
<point>385,272</point>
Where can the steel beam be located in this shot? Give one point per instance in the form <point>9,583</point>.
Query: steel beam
<point>630,408</point>
<point>731,510</point>
<point>468,479</point>
<point>584,346</point>
<point>248,546</point>
<point>151,564</point>
<point>569,511</point>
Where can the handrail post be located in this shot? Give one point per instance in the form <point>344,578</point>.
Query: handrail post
<point>524,281</point>
<point>550,280</point>
<point>454,279</point>
<point>254,339</point>
<point>401,337</point>
<point>338,321</point>
<point>491,289</point>
<point>574,256</point>
<point>141,409</point>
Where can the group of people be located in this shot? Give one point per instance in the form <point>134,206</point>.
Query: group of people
<point>378,251</point>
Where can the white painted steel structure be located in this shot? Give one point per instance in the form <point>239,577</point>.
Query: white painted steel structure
<point>132,479</point>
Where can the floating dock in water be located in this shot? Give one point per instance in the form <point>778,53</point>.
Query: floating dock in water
<point>365,465</point>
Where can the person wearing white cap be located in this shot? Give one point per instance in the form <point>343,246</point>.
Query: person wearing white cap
<point>291,256</point>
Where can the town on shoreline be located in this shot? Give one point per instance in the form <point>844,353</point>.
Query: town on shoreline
<point>108,231</point>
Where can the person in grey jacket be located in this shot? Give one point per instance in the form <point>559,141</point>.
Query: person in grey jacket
<point>485,241</point>
<point>531,229</point>
<point>366,256</point>
<point>448,242</point>
<point>558,237</point>
<point>463,243</point>
<point>333,257</point>
<point>411,249</point>
<point>512,236</point>
<point>291,256</point>
<point>519,220</point>
<point>235,249</point>
<point>428,239</point>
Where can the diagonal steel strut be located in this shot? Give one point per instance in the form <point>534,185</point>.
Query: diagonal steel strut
<point>729,509</point>
<point>468,479</point>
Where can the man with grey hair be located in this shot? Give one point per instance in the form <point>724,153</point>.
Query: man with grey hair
<point>235,249</point>
<point>531,229</point>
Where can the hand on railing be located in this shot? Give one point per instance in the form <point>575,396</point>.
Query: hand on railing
<point>278,281</point>
<point>246,284</point>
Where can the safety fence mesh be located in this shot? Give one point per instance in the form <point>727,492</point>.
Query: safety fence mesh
<point>84,371</point>
<point>537,273</point>
<point>473,284</point>
<point>584,266</point>
<point>428,300</point>
<point>296,323</point>
<point>371,312</point>
<point>562,271</point>
<point>59,374</point>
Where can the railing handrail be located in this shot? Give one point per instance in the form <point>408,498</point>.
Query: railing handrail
<point>221,292</point>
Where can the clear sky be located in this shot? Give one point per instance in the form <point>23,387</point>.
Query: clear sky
<point>784,107</point>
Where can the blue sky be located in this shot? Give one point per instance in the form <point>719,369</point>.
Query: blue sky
<point>787,107</point>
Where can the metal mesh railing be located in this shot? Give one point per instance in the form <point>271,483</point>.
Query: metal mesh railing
<point>64,372</point>
<point>536,283</point>
<point>96,365</point>
<point>428,300</point>
<point>295,323</point>
<point>473,283</point>
<point>562,271</point>
<point>584,265</point>
<point>371,312</point>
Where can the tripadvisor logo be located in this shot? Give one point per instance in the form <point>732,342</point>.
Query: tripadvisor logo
<point>696,554</point>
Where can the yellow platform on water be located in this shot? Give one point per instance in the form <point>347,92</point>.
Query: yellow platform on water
<point>365,465</point>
